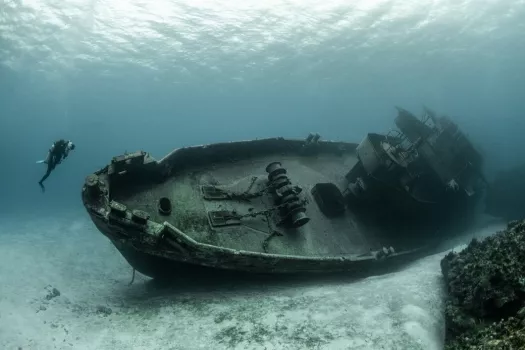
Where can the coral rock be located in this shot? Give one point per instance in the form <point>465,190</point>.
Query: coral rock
<point>486,292</point>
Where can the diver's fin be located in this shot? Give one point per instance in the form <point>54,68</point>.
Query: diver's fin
<point>40,161</point>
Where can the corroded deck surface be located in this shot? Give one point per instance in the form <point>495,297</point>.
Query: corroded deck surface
<point>320,237</point>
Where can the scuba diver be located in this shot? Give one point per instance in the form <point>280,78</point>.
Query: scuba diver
<point>59,150</point>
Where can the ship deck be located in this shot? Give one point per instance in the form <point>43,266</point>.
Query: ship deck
<point>321,236</point>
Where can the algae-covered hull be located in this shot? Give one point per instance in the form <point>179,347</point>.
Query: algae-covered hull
<point>154,261</point>
<point>267,206</point>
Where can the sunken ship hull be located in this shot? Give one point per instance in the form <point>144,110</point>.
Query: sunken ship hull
<point>280,206</point>
<point>208,261</point>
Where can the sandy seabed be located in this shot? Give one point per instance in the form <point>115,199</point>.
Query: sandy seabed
<point>64,286</point>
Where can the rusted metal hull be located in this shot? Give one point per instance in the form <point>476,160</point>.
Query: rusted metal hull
<point>166,264</point>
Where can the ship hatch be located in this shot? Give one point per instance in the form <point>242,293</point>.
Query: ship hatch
<point>329,199</point>
<point>213,193</point>
<point>224,218</point>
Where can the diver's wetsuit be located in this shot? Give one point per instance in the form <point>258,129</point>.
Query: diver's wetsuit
<point>57,152</point>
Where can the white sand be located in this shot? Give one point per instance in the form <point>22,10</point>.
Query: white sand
<point>403,310</point>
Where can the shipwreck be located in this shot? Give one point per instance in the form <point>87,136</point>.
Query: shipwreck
<point>290,206</point>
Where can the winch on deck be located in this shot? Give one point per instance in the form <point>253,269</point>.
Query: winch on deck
<point>284,205</point>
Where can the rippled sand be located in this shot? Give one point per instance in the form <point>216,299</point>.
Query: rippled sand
<point>64,286</point>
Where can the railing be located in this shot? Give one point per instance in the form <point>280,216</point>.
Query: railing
<point>409,150</point>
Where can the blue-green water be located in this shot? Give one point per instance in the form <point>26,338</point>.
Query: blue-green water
<point>115,76</point>
<point>126,75</point>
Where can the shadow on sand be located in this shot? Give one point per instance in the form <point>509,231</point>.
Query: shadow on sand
<point>211,284</point>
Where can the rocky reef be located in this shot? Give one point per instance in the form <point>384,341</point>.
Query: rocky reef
<point>485,282</point>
